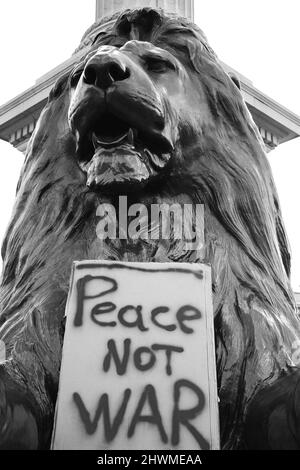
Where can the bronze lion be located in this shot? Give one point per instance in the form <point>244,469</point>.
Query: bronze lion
<point>150,113</point>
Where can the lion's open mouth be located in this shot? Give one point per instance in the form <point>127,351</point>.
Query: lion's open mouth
<point>116,156</point>
<point>111,131</point>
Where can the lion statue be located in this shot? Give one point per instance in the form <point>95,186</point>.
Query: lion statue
<point>150,113</point>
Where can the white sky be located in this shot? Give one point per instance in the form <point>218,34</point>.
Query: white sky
<point>259,38</point>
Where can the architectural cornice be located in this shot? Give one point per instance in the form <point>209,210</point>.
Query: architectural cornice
<point>266,104</point>
<point>35,95</point>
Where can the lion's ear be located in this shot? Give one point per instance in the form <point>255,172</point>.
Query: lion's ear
<point>235,80</point>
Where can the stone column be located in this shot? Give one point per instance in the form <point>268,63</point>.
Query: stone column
<point>180,7</point>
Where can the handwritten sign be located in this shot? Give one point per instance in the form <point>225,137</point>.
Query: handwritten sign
<point>138,365</point>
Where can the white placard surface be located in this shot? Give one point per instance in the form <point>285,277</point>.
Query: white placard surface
<point>138,366</point>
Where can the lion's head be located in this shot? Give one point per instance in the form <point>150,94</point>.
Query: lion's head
<point>137,106</point>
<point>150,112</point>
<point>120,114</point>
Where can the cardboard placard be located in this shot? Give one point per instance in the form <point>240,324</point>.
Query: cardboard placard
<point>138,366</point>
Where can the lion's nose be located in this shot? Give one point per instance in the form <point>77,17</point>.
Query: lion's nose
<point>103,70</point>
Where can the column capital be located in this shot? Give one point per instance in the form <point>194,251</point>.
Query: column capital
<point>183,8</point>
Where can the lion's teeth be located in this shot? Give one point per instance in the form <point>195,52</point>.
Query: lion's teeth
<point>108,143</point>
<point>131,137</point>
<point>95,141</point>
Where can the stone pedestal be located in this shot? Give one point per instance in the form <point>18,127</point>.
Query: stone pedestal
<point>180,7</point>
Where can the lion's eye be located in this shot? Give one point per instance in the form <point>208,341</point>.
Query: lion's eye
<point>158,65</point>
<point>75,76</point>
